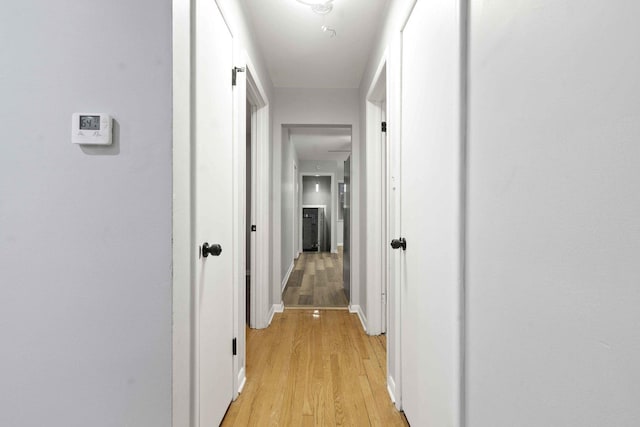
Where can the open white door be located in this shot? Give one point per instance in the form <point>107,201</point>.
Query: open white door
<point>213,204</point>
<point>430,215</point>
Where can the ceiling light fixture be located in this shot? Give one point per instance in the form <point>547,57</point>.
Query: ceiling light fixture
<point>319,8</point>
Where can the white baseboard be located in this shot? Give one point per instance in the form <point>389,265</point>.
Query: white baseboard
<point>358,310</point>
<point>391,389</point>
<point>286,276</point>
<point>275,308</point>
<point>242,379</point>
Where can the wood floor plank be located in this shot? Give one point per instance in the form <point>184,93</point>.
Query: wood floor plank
<point>369,401</point>
<point>308,282</point>
<point>308,368</point>
<point>314,270</point>
<point>321,278</point>
<point>328,263</point>
<point>310,267</point>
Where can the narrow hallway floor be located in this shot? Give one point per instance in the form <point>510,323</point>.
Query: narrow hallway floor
<point>316,281</point>
<point>314,368</point>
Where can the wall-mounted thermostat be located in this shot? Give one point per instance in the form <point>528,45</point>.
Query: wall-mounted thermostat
<point>91,128</point>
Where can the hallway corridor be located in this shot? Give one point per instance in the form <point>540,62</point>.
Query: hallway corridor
<point>314,367</point>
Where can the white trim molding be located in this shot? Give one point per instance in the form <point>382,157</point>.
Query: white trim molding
<point>275,308</point>
<point>242,379</point>
<point>391,388</point>
<point>287,275</point>
<point>358,310</point>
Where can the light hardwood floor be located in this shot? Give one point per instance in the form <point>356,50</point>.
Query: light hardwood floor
<point>316,281</point>
<point>314,368</point>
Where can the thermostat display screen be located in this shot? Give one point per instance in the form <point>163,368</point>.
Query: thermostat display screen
<point>89,122</point>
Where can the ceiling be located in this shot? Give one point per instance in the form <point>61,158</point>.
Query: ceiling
<point>299,54</point>
<point>321,143</point>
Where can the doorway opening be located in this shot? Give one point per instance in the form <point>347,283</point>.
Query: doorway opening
<point>318,213</point>
<point>313,269</point>
<point>314,229</point>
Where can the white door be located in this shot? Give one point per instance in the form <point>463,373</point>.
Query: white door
<point>213,213</point>
<point>430,215</point>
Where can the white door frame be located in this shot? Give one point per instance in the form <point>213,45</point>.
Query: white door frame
<point>334,210</point>
<point>259,285</point>
<point>183,248</point>
<point>376,226</point>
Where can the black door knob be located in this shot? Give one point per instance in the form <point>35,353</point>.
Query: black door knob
<point>399,243</point>
<point>214,249</point>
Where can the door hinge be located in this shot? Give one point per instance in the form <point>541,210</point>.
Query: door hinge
<point>253,228</point>
<point>384,126</point>
<point>234,346</point>
<point>234,74</point>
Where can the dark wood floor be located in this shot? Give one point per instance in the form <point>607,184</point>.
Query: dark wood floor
<point>314,368</point>
<point>316,281</point>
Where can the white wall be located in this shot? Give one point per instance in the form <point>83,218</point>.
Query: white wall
<point>554,235</point>
<point>314,107</point>
<point>85,258</point>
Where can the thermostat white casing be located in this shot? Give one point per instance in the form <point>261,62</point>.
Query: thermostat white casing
<point>91,128</point>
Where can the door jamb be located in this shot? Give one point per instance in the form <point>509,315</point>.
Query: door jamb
<point>259,286</point>
<point>376,259</point>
